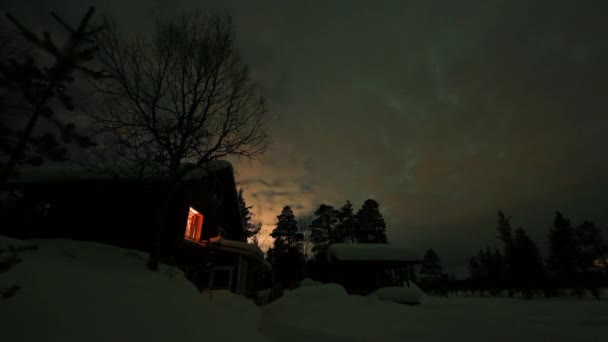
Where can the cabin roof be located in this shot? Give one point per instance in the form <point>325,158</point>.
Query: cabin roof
<point>235,246</point>
<point>370,252</point>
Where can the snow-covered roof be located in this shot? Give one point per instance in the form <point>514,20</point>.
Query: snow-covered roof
<point>237,247</point>
<point>71,172</point>
<point>370,252</point>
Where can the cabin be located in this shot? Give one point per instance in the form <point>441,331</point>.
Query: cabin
<point>364,268</point>
<point>198,228</point>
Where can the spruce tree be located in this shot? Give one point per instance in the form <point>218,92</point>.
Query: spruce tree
<point>431,265</point>
<point>251,229</point>
<point>505,234</point>
<point>323,228</point>
<point>590,250</point>
<point>285,231</point>
<point>346,225</point>
<point>285,255</point>
<point>562,260</point>
<point>370,223</point>
<point>528,267</point>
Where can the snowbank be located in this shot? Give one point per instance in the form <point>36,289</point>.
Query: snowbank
<point>399,294</point>
<point>309,282</point>
<point>82,291</point>
<point>327,313</point>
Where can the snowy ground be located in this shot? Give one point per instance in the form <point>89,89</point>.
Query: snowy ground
<point>77,291</point>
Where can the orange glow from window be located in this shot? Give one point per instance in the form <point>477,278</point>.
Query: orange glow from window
<point>194,225</point>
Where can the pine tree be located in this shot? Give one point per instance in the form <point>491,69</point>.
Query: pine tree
<point>505,234</point>
<point>528,267</point>
<point>39,86</point>
<point>346,225</point>
<point>562,261</point>
<point>285,231</point>
<point>590,249</point>
<point>431,266</point>
<point>323,228</point>
<point>251,229</point>
<point>591,244</point>
<point>285,254</point>
<point>255,233</point>
<point>370,223</point>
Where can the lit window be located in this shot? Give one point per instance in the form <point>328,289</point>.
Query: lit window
<point>194,225</point>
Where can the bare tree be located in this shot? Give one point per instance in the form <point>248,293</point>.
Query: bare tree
<point>175,102</point>
<point>36,86</point>
<point>304,223</point>
<point>180,99</point>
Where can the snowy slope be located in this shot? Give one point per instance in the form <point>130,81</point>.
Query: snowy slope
<point>81,291</point>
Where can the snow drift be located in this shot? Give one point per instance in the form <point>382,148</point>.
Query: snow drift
<point>83,291</point>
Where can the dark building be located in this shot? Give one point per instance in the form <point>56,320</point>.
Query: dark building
<point>365,268</point>
<point>195,224</point>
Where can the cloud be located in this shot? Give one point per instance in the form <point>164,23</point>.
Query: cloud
<point>444,111</point>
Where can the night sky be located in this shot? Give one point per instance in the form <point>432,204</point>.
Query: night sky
<point>441,110</point>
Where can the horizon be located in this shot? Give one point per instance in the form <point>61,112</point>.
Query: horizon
<point>442,112</point>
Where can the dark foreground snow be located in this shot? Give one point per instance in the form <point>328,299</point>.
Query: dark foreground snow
<point>81,291</point>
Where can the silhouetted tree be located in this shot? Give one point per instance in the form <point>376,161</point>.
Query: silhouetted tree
<point>562,261</point>
<point>286,229</point>
<point>528,270</point>
<point>255,233</point>
<point>285,254</point>
<point>251,229</point>
<point>177,101</point>
<point>431,266</point>
<point>304,224</point>
<point>39,88</point>
<point>370,223</point>
<point>346,225</point>
<point>431,278</point>
<point>323,228</point>
<point>591,249</point>
<point>505,234</point>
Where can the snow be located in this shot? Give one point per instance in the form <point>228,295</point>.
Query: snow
<point>371,251</point>
<point>81,291</point>
<point>309,282</point>
<point>238,247</point>
<point>399,294</point>
<point>327,313</point>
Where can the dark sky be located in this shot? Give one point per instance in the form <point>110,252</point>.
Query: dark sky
<point>441,110</point>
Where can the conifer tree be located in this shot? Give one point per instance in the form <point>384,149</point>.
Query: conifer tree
<point>285,231</point>
<point>251,229</point>
<point>505,234</point>
<point>528,267</point>
<point>370,223</point>
<point>562,248</point>
<point>346,225</point>
<point>323,228</point>
<point>285,255</point>
<point>591,249</point>
<point>431,266</point>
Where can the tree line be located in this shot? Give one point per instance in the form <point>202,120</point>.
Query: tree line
<point>576,264</point>
<point>300,242</point>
